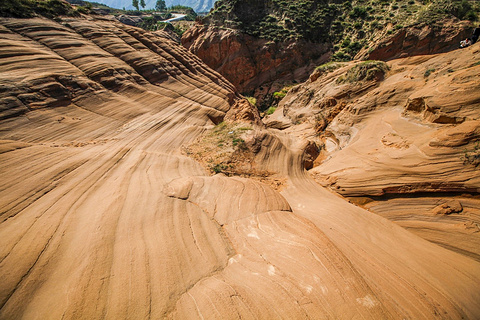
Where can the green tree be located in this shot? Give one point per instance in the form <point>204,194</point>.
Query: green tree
<point>135,4</point>
<point>142,3</point>
<point>160,5</point>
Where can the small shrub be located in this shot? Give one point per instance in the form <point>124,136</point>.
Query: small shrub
<point>472,156</point>
<point>367,70</point>
<point>346,42</point>
<point>358,12</point>
<point>218,168</point>
<point>358,25</point>
<point>328,67</point>
<point>341,56</point>
<point>428,73</point>
<point>270,110</point>
<point>279,95</point>
<point>252,100</point>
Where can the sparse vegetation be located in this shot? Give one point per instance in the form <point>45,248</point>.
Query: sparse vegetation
<point>30,8</point>
<point>328,67</point>
<point>252,100</point>
<point>222,150</point>
<point>439,9</point>
<point>270,110</point>
<point>366,70</point>
<point>347,25</point>
<point>428,72</point>
<point>472,156</point>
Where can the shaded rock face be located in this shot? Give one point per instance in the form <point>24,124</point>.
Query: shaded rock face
<point>250,62</point>
<point>242,110</point>
<point>418,40</point>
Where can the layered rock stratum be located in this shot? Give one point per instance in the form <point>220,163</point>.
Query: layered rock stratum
<point>104,215</point>
<point>402,142</point>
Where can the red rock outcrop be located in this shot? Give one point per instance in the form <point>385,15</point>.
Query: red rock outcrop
<point>420,39</point>
<point>250,62</point>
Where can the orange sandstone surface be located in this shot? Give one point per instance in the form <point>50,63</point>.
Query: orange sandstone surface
<point>103,215</point>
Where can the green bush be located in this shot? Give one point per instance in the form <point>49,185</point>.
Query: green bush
<point>270,110</point>
<point>279,95</point>
<point>367,70</point>
<point>252,100</point>
<point>358,13</point>
<point>346,42</point>
<point>428,73</point>
<point>328,67</point>
<point>219,167</point>
<point>341,56</point>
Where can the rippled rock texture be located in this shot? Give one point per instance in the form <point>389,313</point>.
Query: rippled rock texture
<point>402,142</point>
<point>102,216</point>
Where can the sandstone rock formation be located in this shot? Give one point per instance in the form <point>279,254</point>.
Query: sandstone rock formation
<point>262,46</point>
<point>416,40</point>
<point>250,62</point>
<point>408,142</point>
<point>102,216</point>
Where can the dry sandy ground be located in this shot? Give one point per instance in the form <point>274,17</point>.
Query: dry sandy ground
<point>102,216</point>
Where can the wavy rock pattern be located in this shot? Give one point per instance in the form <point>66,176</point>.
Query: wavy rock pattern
<point>409,131</point>
<point>404,146</point>
<point>102,217</point>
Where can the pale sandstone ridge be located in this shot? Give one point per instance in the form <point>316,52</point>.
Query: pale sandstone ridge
<point>103,217</point>
<point>408,139</point>
<point>408,128</point>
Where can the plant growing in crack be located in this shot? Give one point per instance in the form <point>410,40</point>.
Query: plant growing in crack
<point>472,156</point>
